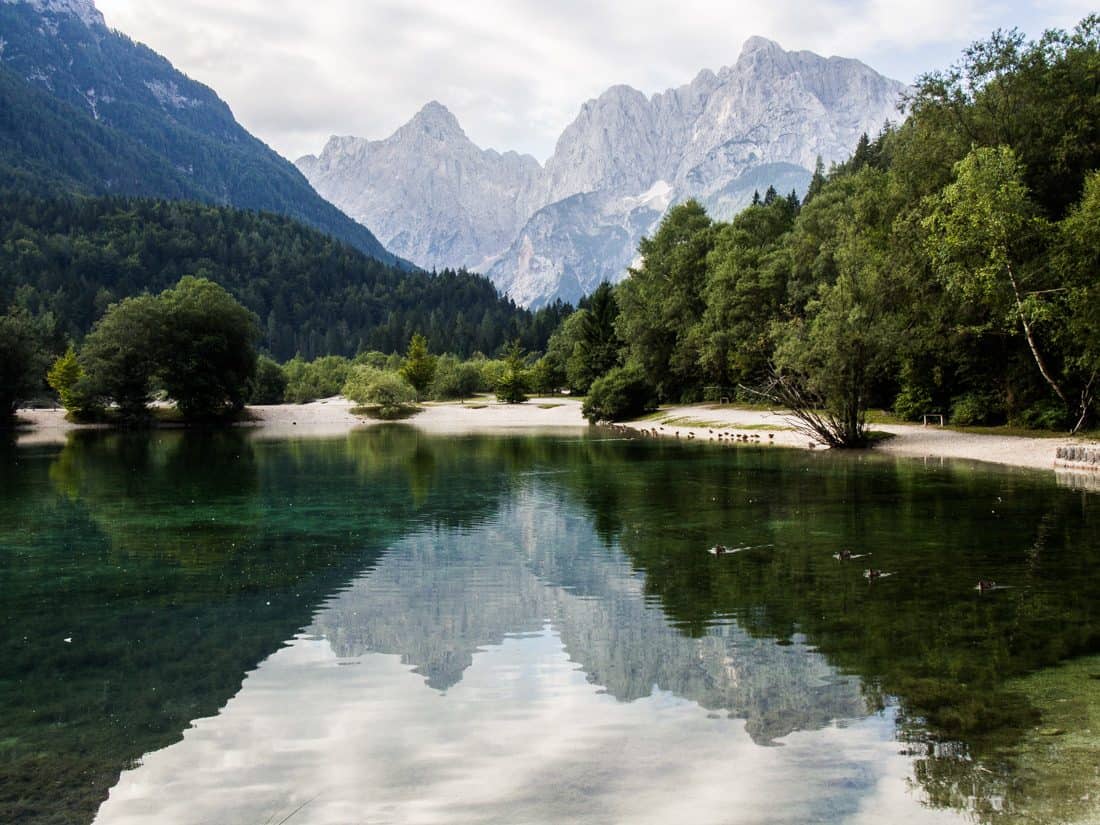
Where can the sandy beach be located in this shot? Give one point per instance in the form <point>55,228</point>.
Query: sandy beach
<point>722,425</point>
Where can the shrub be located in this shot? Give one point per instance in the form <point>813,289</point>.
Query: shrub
<point>454,379</point>
<point>1045,415</point>
<point>419,367</point>
<point>323,378</point>
<point>268,384</point>
<point>67,379</point>
<point>513,383</point>
<point>386,394</point>
<point>23,361</point>
<point>973,409</point>
<point>912,403</point>
<point>622,393</point>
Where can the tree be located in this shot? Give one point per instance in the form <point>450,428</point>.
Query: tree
<point>120,356</point>
<point>268,385</point>
<point>207,355</point>
<point>662,301</point>
<point>513,384</point>
<point>67,379</point>
<point>622,393</point>
<point>386,394</point>
<point>419,366</point>
<point>982,231</point>
<point>597,347</point>
<point>24,357</point>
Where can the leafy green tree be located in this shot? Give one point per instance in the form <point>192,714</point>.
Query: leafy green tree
<point>547,376</point>
<point>419,366</point>
<point>983,230</point>
<point>598,347</point>
<point>621,394</point>
<point>24,357</point>
<point>386,394</point>
<point>268,385</point>
<point>67,379</point>
<point>207,355</point>
<point>310,380</point>
<point>662,301</point>
<point>513,384</point>
<point>454,379</point>
<point>121,355</point>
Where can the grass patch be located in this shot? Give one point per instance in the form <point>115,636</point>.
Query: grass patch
<point>550,406</point>
<point>687,421</point>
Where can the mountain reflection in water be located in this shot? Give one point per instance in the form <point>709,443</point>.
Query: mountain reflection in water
<point>391,627</point>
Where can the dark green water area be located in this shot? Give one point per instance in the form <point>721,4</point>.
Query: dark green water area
<point>398,627</point>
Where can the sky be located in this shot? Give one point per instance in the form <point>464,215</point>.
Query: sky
<point>515,72</point>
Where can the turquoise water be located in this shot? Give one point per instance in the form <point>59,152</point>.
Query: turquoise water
<point>394,627</point>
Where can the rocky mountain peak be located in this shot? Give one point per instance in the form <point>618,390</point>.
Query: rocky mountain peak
<point>557,231</point>
<point>84,10</point>
<point>759,44</point>
<point>436,121</point>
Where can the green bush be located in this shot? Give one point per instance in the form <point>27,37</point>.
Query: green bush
<point>268,384</point>
<point>24,357</point>
<point>309,381</point>
<point>973,409</point>
<point>454,379</point>
<point>514,381</point>
<point>385,394</point>
<point>1045,415</point>
<point>912,403</point>
<point>621,394</point>
<point>67,379</point>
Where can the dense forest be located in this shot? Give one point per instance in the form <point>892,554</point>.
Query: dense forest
<point>952,265</point>
<point>71,257</point>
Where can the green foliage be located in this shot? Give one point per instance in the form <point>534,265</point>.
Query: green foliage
<point>663,300</point>
<point>454,379</point>
<point>121,355</point>
<point>24,358</point>
<point>974,409</point>
<point>314,296</point>
<point>597,345</point>
<point>547,376</point>
<point>311,380</point>
<point>66,377</point>
<point>513,384</point>
<point>268,385</point>
<point>622,393</point>
<point>207,359</point>
<point>192,341</point>
<point>388,395</point>
<point>419,367</point>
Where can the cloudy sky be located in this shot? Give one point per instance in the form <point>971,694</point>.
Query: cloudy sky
<point>515,72</point>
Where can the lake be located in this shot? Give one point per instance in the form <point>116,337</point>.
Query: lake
<point>392,627</point>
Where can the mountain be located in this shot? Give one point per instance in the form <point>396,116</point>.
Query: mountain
<point>86,109</point>
<point>616,169</point>
<point>429,189</point>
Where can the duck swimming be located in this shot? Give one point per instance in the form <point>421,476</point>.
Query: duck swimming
<point>873,574</point>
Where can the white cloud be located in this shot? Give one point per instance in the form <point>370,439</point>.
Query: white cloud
<point>516,71</point>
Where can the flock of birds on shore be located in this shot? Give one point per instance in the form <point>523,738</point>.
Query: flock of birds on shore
<point>713,435</point>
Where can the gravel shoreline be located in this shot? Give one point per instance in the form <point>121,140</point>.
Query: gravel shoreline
<point>718,424</point>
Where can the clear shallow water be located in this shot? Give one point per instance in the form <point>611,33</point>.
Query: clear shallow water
<point>391,627</point>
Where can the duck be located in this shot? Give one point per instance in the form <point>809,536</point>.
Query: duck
<point>985,585</point>
<point>872,573</point>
